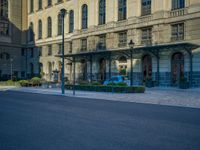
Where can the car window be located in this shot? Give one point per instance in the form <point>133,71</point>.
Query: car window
<point>114,78</point>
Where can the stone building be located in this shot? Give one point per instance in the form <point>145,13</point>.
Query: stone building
<point>165,34</point>
<point>13,27</point>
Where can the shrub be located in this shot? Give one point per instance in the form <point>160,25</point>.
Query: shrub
<point>83,82</point>
<point>112,84</point>
<point>9,83</point>
<point>23,82</point>
<point>36,81</point>
<point>96,83</point>
<point>122,84</point>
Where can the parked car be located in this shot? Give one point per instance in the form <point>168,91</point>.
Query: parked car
<point>117,79</point>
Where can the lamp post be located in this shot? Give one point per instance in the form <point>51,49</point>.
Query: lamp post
<point>131,45</point>
<point>63,12</point>
<point>11,69</point>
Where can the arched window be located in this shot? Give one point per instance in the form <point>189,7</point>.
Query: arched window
<point>31,32</point>
<point>49,27</point>
<point>178,4</point>
<point>122,59</point>
<point>39,4</point>
<point>31,6</point>
<point>49,2</point>
<point>102,12</point>
<point>121,9</point>
<point>84,16</point>
<point>59,24</point>
<point>40,29</point>
<point>71,21</point>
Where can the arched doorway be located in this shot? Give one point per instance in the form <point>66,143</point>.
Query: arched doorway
<point>147,68</point>
<point>122,65</point>
<point>102,69</point>
<point>84,69</point>
<point>177,68</point>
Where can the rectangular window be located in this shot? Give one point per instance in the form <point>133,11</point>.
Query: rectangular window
<point>177,32</point>
<point>178,4</point>
<point>122,39</point>
<point>59,24</point>
<point>102,42</point>
<point>15,73</point>
<point>146,38</point>
<point>60,49</point>
<point>4,28</point>
<point>59,1</point>
<point>84,45</point>
<point>23,74</point>
<point>32,53</point>
<point>146,7</point>
<point>3,9</point>
<point>49,2</point>
<point>49,50</point>
<point>23,52</point>
<point>121,10</point>
<point>39,4</point>
<point>31,6</point>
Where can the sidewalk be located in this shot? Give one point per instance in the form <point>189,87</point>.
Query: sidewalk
<point>4,88</point>
<point>160,96</point>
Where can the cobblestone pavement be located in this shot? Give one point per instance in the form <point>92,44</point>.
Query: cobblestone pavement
<point>160,96</point>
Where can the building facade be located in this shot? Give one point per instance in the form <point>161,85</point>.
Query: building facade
<point>13,27</point>
<point>165,35</point>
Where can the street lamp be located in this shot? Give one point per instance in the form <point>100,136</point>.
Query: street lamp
<point>11,69</point>
<point>131,45</point>
<point>62,13</point>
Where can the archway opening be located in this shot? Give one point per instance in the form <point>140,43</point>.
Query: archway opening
<point>122,65</point>
<point>84,69</point>
<point>102,69</point>
<point>177,68</point>
<point>147,68</point>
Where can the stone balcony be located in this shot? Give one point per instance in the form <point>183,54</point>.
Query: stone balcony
<point>178,12</point>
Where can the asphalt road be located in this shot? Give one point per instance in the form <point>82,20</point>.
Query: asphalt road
<point>44,122</point>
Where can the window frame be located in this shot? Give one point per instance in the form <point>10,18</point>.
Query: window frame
<point>84,18</point>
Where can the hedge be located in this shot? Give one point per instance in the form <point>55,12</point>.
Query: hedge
<point>117,89</point>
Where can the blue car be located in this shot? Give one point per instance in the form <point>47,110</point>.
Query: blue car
<point>117,79</point>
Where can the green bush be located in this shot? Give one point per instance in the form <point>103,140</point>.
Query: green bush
<point>9,83</point>
<point>112,84</point>
<point>96,83</point>
<point>83,82</point>
<point>117,89</point>
<point>122,84</point>
<point>23,82</point>
<point>36,81</point>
